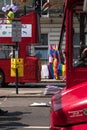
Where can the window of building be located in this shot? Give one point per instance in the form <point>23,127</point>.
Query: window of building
<point>41,52</point>
<point>28,50</point>
<point>44,39</point>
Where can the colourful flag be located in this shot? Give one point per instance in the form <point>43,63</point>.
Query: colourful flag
<point>45,7</point>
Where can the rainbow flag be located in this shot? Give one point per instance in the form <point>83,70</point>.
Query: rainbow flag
<point>61,69</point>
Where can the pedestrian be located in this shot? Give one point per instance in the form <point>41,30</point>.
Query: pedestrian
<point>10,16</point>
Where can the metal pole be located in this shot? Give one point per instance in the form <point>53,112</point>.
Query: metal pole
<point>4,2</point>
<point>16,72</point>
<point>16,80</point>
<point>11,2</point>
<point>25,8</point>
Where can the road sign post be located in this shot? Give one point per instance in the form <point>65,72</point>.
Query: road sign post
<point>16,37</point>
<point>17,69</point>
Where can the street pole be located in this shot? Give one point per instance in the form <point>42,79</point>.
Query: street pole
<point>16,37</point>
<point>16,80</point>
<point>4,2</point>
<point>16,71</point>
<point>11,2</point>
<point>25,8</point>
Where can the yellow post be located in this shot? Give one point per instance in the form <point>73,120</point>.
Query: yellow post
<point>19,64</point>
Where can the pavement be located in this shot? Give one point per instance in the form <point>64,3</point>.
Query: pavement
<point>21,92</point>
<point>36,91</point>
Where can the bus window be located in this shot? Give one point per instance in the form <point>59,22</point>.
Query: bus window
<point>6,51</point>
<point>80,40</point>
<point>28,50</point>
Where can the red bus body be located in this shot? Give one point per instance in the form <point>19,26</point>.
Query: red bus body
<point>69,106</point>
<point>31,63</point>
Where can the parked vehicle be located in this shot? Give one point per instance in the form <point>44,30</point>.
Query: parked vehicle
<point>69,106</point>
<point>12,47</point>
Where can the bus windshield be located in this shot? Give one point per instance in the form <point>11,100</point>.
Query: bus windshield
<point>79,39</point>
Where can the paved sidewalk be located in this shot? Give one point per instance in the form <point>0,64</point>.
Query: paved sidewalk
<point>22,92</point>
<point>26,91</point>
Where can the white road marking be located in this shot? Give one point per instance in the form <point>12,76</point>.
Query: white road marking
<point>27,127</point>
<point>3,100</point>
<point>37,127</point>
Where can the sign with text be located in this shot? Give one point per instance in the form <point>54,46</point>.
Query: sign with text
<point>6,30</point>
<point>16,31</point>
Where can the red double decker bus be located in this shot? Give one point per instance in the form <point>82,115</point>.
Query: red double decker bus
<point>69,106</point>
<point>8,49</point>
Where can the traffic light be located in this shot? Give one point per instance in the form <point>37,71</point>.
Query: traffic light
<point>38,6</point>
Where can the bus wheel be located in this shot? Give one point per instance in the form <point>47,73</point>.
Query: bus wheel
<point>2,77</point>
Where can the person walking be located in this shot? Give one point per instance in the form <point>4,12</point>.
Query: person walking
<point>10,16</point>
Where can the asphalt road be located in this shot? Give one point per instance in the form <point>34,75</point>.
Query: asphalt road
<point>22,116</point>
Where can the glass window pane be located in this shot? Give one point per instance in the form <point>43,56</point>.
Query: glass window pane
<point>41,53</point>
<point>6,51</point>
<point>44,39</point>
<point>28,50</point>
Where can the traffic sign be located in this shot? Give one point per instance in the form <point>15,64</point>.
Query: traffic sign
<point>17,63</point>
<point>16,31</point>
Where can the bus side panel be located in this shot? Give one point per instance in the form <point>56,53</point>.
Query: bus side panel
<point>32,19</point>
<point>5,67</point>
<point>31,69</point>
